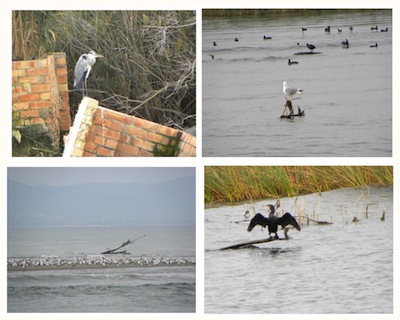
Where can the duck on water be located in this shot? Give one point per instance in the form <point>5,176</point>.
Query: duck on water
<point>272,222</point>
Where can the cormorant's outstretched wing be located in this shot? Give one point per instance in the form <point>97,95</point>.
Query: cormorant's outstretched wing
<point>258,219</point>
<point>286,219</point>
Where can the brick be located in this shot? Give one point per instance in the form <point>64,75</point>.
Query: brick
<point>48,120</point>
<point>113,125</point>
<point>76,152</point>
<point>40,88</point>
<point>90,136</point>
<point>136,132</point>
<point>37,121</point>
<point>99,140</point>
<point>144,144</point>
<point>29,113</point>
<point>45,96</point>
<point>39,104</point>
<point>111,144</point>
<point>42,63</point>
<point>27,64</point>
<point>29,97</point>
<point>16,64</point>
<point>36,72</point>
<point>21,105</point>
<point>28,80</point>
<point>65,120</point>
<point>167,131</point>
<point>117,116</point>
<point>90,147</point>
<point>155,137</point>
<point>127,150</point>
<point>151,126</point>
<point>144,153</point>
<point>165,141</point>
<point>61,61</point>
<point>21,89</point>
<point>64,95</point>
<point>64,127</point>
<point>125,138</point>
<point>62,83</point>
<point>80,144</point>
<point>18,73</point>
<point>104,152</point>
<point>111,134</point>
<point>61,72</point>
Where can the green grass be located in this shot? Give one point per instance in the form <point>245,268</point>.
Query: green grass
<point>240,183</point>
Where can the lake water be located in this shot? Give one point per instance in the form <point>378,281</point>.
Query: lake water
<point>122,289</point>
<point>347,91</point>
<point>343,267</point>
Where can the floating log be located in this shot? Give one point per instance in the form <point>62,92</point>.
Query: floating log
<point>114,251</point>
<point>247,244</point>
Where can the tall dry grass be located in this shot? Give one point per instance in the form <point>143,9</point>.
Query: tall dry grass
<point>240,183</point>
<point>149,67</point>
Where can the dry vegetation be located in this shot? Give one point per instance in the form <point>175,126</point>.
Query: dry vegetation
<point>149,66</point>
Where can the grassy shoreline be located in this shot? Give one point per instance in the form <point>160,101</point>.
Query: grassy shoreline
<point>241,183</point>
<point>218,13</point>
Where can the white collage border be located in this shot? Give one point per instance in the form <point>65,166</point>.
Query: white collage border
<point>6,160</point>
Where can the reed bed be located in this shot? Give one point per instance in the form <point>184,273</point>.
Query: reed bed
<point>149,64</point>
<point>242,183</point>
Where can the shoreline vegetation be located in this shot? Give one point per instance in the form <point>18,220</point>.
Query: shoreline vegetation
<point>218,13</point>
<point>231,184</point>
<point>149,64</point>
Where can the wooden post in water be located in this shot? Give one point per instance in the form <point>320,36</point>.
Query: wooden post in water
<point>288,111</point>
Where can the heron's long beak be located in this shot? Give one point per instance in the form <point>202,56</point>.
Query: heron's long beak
<point>98,55</point>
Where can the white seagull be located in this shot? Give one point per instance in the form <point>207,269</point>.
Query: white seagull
<point>290,91</point>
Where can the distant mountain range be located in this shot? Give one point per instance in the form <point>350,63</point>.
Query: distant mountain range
<point>171,202</point>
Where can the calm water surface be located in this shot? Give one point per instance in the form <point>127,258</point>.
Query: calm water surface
<point>344,267</point>
<point>131,289</point>
<point>347,92</point>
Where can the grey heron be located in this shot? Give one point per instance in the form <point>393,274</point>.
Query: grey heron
<point>290,91</point>
<point>272,221</point>
<point>83,68</point>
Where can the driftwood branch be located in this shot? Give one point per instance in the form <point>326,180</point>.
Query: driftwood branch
<point>111,251</point>
<point>288,112</point>
<point>250,243</point>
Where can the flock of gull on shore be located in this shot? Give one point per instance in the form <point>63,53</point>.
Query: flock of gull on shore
<point>96,261</point>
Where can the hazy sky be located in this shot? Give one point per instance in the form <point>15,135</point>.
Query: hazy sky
<point>71,175</point>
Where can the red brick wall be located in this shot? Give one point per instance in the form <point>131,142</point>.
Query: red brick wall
<point>107,133</point>
<point>40,94</point>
